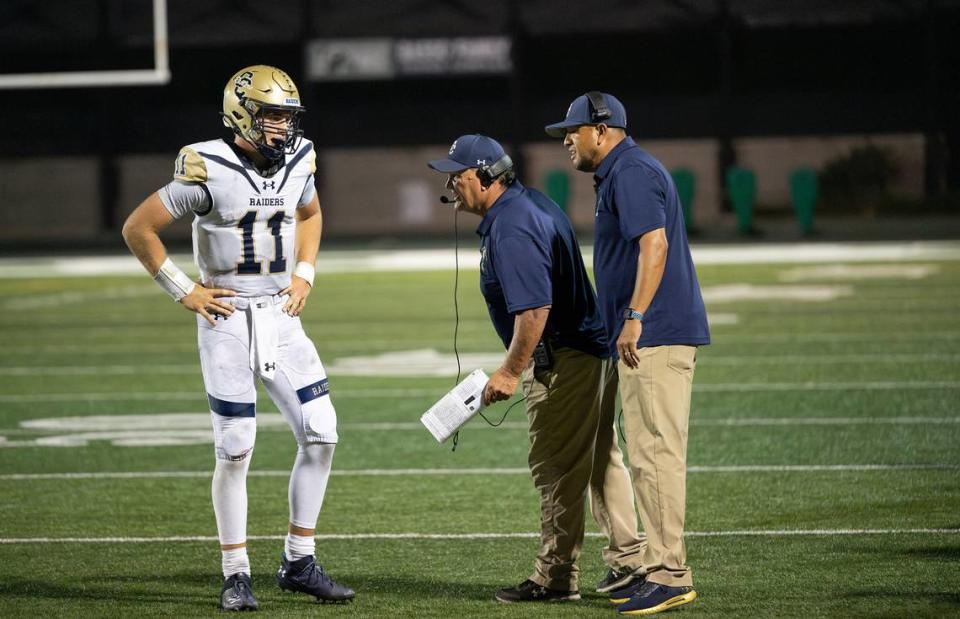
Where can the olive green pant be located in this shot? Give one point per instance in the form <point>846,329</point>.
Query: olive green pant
<point>656,411</point>
<point>573,450</point>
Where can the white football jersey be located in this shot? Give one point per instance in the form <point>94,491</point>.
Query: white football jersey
<point>244,225</point>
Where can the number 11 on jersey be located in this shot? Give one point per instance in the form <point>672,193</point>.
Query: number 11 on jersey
<point>250,266</point>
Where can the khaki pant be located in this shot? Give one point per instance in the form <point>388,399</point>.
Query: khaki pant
<point>656,411</point>
<point>573,448</point>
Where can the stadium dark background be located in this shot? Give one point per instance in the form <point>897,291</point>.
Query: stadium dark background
<point>683,68</point>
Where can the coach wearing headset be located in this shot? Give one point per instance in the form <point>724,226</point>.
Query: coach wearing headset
<point>655,319</point>
<point>543,307</point>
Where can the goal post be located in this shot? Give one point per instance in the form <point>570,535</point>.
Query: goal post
<point>159,74</point>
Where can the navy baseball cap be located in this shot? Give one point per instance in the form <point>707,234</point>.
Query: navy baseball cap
<point>583,112</point>
<point>469,151</point>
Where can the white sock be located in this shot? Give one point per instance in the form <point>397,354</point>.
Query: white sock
<point>234,561</point>
<point>229,490</point>
<point>299,546</point>
<point>308,483</point>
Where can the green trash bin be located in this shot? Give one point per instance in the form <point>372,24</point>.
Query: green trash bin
<point>803,192</point>
<point>556,182</point>
<point>742,189</point>
<point>686,184</point>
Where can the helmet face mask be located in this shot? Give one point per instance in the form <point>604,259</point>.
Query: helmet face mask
<point>261,104</point>
<point>277,131</point>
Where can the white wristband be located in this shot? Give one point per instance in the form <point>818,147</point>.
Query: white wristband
<point>173,280</point>
<point>305,270</point>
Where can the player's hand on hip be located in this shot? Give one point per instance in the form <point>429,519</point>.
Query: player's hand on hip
<point>501,386</point>
<point>627,343</point>
<point>204,301</point>
<point>298,291</point>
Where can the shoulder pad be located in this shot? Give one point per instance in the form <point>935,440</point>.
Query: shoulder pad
<point>190,167</point>
<point>312,160</point>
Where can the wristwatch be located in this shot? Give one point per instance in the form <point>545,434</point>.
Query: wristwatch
<point>632,314</point>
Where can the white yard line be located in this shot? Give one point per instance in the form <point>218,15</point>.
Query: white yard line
<point>98,370</point>
<point>848,337</point>
<point>195,395</point>
<point>748,468</point>
<point>381,346</point>
<point>823,421</point>
<point>824,386</point>
<point>327,342</point>
<point>73,297</point>
<point>193,424</point>
<point>696,421</point>
<point>705,360</point>
<point>353,261</point>
<point>469,536</point>
<point>426,392</point>
<point>847,272</point>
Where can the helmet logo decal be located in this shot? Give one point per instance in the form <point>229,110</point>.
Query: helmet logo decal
<point>244,80</point>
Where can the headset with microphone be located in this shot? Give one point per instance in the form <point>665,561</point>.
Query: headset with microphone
<point>489,173</point>
<point>600,111</point>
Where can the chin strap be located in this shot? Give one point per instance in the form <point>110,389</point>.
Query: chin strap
<point>272,155</point>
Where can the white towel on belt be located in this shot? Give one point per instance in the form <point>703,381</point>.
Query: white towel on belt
<point>263,336</point>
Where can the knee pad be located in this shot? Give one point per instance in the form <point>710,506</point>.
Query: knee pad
<point>320,421</point>
<point>234,437</point>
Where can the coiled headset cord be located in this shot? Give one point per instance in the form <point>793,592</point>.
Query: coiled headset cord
<point>456,327</point>
<point>456,304</point>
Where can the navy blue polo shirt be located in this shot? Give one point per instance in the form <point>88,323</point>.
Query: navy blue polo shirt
<point>529,258</point>
<point>636,194</point>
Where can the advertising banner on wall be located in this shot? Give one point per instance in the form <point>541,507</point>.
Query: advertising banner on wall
<point>386,58</point>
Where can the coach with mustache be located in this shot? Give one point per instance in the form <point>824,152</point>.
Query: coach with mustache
<point>544,309</point>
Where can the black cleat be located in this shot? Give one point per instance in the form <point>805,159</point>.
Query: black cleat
<point>529,591</point>
<point>305,576</point>
<point>237,594</point>
<point>615,579</point>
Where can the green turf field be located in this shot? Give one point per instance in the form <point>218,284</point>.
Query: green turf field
<point>824,453</point>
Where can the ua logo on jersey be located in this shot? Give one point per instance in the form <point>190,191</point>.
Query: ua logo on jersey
<point>269,184</point>
<point>267,367</point>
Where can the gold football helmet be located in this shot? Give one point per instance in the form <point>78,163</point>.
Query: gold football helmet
<point>259,100</point>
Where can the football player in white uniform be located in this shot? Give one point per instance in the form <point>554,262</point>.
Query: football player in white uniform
<point>256,231</point>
